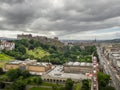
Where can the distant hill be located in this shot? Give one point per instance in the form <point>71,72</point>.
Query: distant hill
<point>5,38</point>
<point>91,41</point>
<point>112,41</point>
<point>76,41</point>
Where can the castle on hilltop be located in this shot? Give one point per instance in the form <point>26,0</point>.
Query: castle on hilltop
<point>29,36</point>
<point>24,36</point>
<point>42,39</point>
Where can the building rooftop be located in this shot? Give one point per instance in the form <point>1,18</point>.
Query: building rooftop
<point>118,58</point>
<point>118,76</point>
<point>15,62</point>
<point>78,64</point>
<point>118,64</point>
<point>116,54</point>
<point>30,62</point>
<point>41,64</point>
<point>22,62</point>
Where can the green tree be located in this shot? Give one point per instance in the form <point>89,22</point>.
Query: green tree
<point>18,85</point>
<point>31,47</point>
<point>1,71</point>
<point>85,85</point>
<point>9,87</point>
<point>103,80</point>
<point>54,87</point>
<point>24,42</point>
<point>13,74</point>
<point>37,80</point>
<point>24,73</point>
<point>69,84</point>
<point>21,49</point>
<point>2,85</point>
<point>109,88</point>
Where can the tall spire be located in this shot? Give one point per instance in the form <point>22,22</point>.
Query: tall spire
<point>95,39</point>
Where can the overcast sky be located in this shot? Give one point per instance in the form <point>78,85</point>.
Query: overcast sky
<point>67,19</point>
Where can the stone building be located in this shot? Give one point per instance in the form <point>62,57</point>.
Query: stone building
<point>37,68</point>
<point>115,63</point>
<point>12,65</point>
<point>56,38</point>
<point>7,45</point>
<point>24,36</point>
<point>77,67</point>
<point>112,57</point>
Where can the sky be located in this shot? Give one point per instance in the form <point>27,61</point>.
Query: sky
<point>66,19</point>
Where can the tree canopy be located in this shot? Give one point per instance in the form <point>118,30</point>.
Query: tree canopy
<point>69,84</point>
<point>85,85</point>
<point>14,74</point>
<point>56,55</point>
<point>103,81</point>
<point>1,71</point>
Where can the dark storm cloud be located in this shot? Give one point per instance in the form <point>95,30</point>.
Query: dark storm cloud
<point>11,1</point>
<point>59,16</point>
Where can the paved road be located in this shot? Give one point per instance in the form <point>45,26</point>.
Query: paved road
<point>94,85</point>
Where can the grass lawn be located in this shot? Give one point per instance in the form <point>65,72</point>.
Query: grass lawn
<point>46,86</point>
<point>38,52</point>
<point>40,88</point>
<point>50,84</point>
<point>77,86</point>
<point>4,59</point>
<point>2,64</point>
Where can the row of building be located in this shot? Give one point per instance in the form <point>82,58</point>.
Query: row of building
<point>77,67</point>
<point>111,54</point>
<point>40,68</point>
<point>34,67</point>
